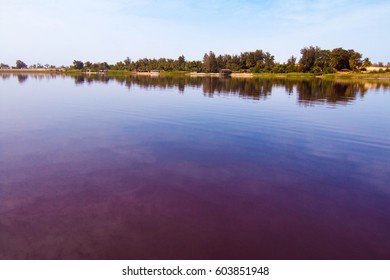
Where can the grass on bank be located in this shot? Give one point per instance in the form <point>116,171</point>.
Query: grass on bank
<point>296,75</point>
<point>351,76</point>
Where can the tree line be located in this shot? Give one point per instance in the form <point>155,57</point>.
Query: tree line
<point>312,60</point>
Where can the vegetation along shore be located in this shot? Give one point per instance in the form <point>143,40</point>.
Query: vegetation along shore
<point>314,61</point>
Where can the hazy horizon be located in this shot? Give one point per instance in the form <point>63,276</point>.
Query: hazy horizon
<point>57,33</point>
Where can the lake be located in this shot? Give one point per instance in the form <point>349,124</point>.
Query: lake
<point>193,168</point>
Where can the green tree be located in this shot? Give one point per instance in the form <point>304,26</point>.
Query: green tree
<point>366,62</point>
<point>345,59</point>
<point>291,64</point>
<point>20,64</point>
<point>322,63</point>
<point>221,63</point>
<point>210,62</point>
<point>103,66</point>
<point>309,57</point>
<point>194,66</point>
<point>340,59</point>
<point>181,63</point>
<point>232,62</point>
<point>4,66</point>
<point>269,62</point>
<point>127,61</point>
<point>77,64</point>
<point>355,60</point>
<point>279,68</point>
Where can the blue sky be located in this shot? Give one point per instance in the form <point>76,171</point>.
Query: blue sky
<point>57,32</point>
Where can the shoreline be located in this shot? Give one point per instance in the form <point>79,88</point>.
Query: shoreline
<point>23,71</point>
<point>293,75</point>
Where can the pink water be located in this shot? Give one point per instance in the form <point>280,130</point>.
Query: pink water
<point>162,171</point>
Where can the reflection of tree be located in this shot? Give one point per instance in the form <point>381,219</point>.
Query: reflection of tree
<point>250,88</point>
<point>22,78</point>
<point>329,91</point>
<point>309,91</point>
<point>79,80</point>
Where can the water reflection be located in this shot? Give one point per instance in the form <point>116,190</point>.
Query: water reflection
<point>5,76</point>
<point>90,175</point>
<point>328,91</point>
<point>22,78</point>
<point>309,91</point>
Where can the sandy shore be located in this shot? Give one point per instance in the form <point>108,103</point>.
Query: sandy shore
<point>40,70</point>
<point>375,68</point>
<point>196,74</point>
<point>233,75</point>
<point>241,75</point>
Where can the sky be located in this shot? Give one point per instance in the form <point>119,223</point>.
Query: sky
<point>58,32</point>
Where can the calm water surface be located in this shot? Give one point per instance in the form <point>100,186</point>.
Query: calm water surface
<point>193,168</point>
